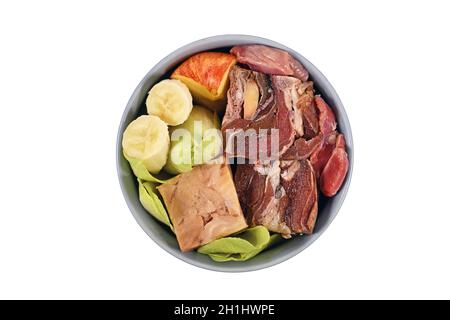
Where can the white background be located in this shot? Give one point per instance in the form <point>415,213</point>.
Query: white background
<point>67,70</point>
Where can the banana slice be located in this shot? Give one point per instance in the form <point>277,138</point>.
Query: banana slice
<point>147,139</point>
<point>171,101</point>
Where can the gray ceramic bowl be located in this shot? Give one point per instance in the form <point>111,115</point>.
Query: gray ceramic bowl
<point>328,208</point>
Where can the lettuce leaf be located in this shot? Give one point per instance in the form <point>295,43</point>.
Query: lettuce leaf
<point>152,203</point>
<point>240,247</point>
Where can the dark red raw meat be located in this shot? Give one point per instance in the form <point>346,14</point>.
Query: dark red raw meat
<point>307,106</point>
<point>302,148</point>
<point>334,173</point>
<point>301,190</point>
<point>281,196</point>
<point>327,120</point>
<point>262,198</point>
<point>270,61</point>
<point>274,111</point>
<point>320,156</point>
<point>282,193</point>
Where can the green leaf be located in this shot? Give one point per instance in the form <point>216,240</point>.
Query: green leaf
<point>240,247</point>
<point>218,257</point>
<point>152,203</point>
<point>229,245</point>
<point>141,171</point>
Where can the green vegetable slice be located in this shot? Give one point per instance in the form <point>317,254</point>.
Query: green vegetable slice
<point>240,247</point>
<point>152,203</point>
<point>176,153</point>
<point>190,146</point>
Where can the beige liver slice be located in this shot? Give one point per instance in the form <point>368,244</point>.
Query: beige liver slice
<point>203,205</point>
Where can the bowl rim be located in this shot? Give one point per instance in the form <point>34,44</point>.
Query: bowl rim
<point>214,266</point>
